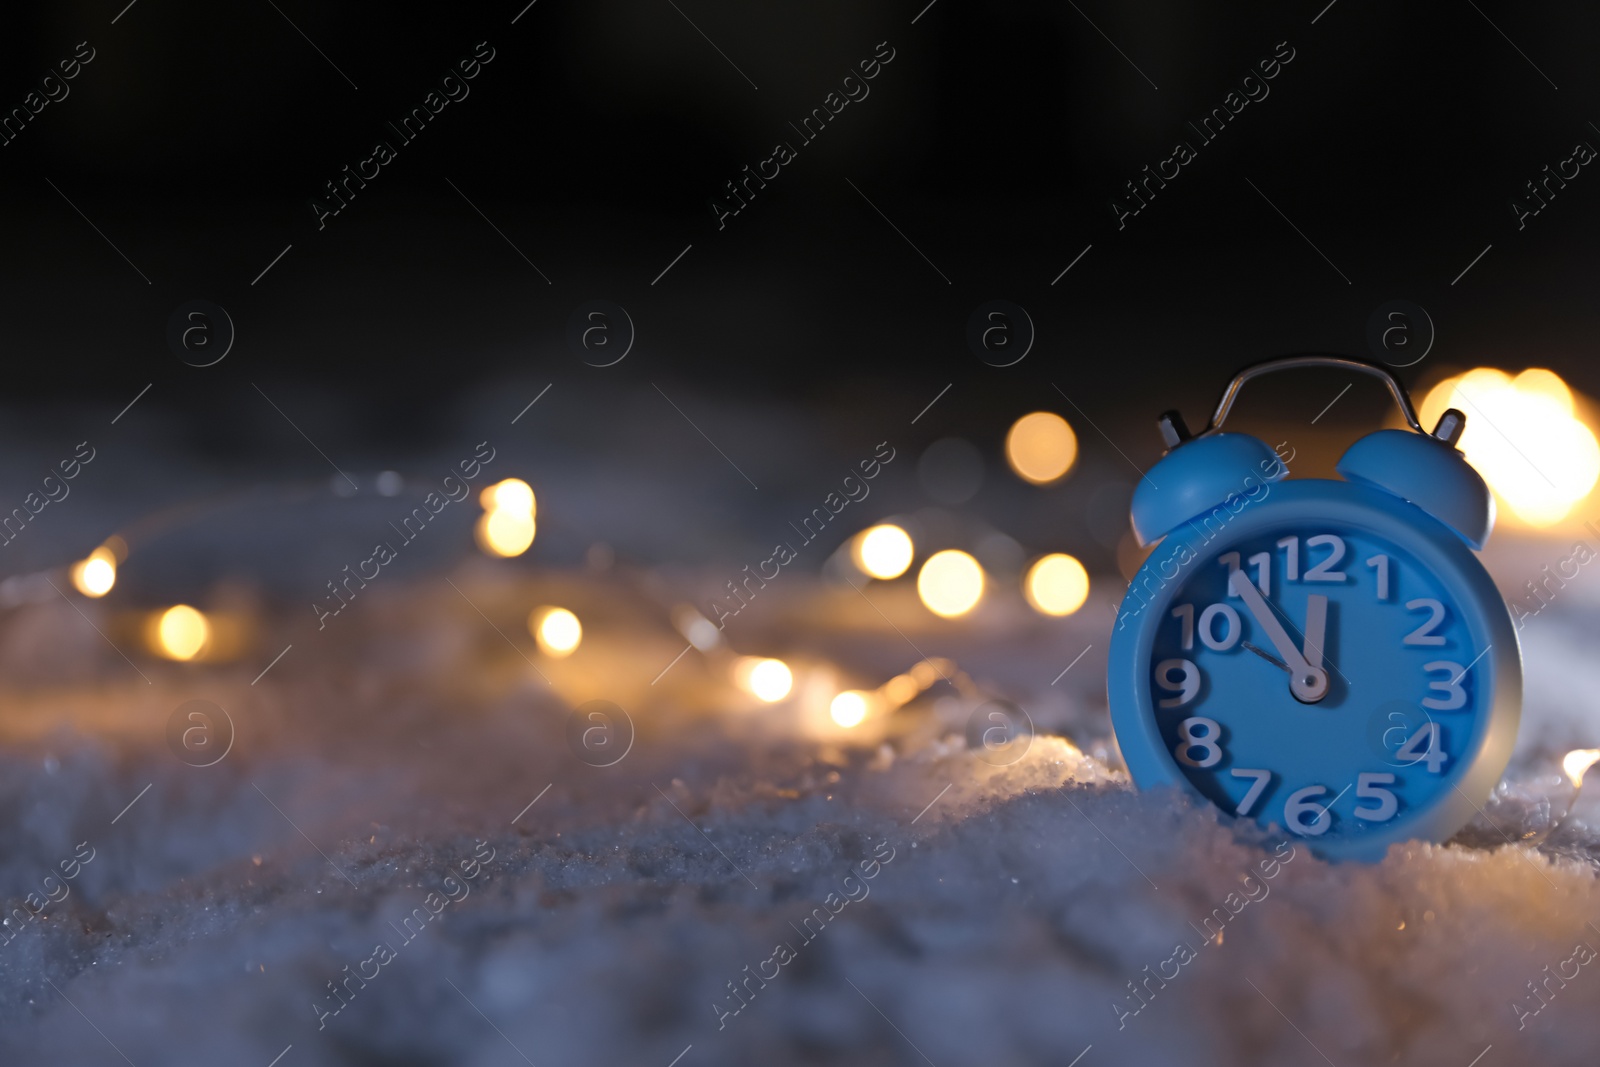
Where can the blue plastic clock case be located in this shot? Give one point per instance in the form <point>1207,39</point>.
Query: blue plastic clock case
<point>1325,657</point>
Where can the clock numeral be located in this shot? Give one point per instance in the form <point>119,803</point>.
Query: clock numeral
<point>1253,794</point>
<point>1433,756</point>
<point>1231,632</point>
<point>1454,695</point>
<point>1229,560</point>
<point>1370,786</point>
<point>1380,563</point>
<point>1303,802</point>
<point>1291,558</point>
<point>1184,613</point>
<point>1324,572</point>
<point>1424,634</point>
<point>1231,628</point>
<point>1262,562</point>
<point>1204,734</point>
<point>1186,685</point>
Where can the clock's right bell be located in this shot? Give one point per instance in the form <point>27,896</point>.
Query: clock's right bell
<point>1430,472</point>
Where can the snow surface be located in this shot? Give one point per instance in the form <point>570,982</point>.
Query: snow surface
<point>1015,908</point>
<point>1019,903</point>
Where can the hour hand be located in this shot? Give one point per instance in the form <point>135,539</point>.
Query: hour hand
<point>1307,683</point>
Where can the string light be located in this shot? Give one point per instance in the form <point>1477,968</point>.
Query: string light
<point>507,526</point>
<point>512,494</point>
<point>1524,436</point>
<point>505,533</point>
<point>95,575</point>
<point>768,680</point>
<point>883,551</point>
<point>181,632</point>
<point>849,708</point>
<point>1577,762</point>
<point>1041,447</point>
<point>1056,585</point>
<point>696,629</point>
<point>950,583</point>
<point>900,690</point>
<point>557,630</point>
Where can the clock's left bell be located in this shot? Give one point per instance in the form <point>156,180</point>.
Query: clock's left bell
<point>1198,475</point>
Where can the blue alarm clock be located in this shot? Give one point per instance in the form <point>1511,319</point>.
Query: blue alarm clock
<point>1327,658</point>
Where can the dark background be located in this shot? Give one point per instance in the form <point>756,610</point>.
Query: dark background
<point>777,352</point>
<point>994,140</point>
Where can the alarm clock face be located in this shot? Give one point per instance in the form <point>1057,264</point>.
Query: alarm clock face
<point>1334,676</point>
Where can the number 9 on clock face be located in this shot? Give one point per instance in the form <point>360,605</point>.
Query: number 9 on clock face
<point>1260,668</point>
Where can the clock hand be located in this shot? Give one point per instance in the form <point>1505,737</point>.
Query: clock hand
<point>1268,656</point>
<point>1261,611</point>
<point>1316,627</point>
<point>1308,684</point>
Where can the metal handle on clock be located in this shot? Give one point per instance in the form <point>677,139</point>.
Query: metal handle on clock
<point>1449,427</point>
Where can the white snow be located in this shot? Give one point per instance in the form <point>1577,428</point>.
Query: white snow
<point>1017,907</point>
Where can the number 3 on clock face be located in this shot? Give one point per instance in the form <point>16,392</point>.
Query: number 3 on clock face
<point>1333,677</point>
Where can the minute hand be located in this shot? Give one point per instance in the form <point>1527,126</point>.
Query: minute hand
<point>1308,684</point>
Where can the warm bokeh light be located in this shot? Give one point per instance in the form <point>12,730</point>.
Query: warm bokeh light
<point>503,532</point>
<point>181,632</point>
<point>950,583</point>
<point>557,630</point>
<point>95,575</point>
<point>1579,760</point>
<point>900,690</point>
<point>506,528</point>
<point>768,680</point>
<point>1524,436</point>
<point>513,494</point>
<point>849,708</point>
<point>696,629</point>
<point>1041,447</point>
<point>883,551</point>
<point>1056,585</point>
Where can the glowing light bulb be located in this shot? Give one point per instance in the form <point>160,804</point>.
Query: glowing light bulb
<point>181,632</point>
<point>1524,436</point>
<point>768,680</point>
<point>505,533</point>
<point>899,690</point>
<point>512,494</point>
<point>883,551</point>
<point>698,630</point>
<point>557,630</point>
<point>95,575</point>
<point>1041,447</point>
<point>1578,761</point>
<point>950,583</point>
<point>507,526</point>
<point>849,708</point>
<point>1056,585</point>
